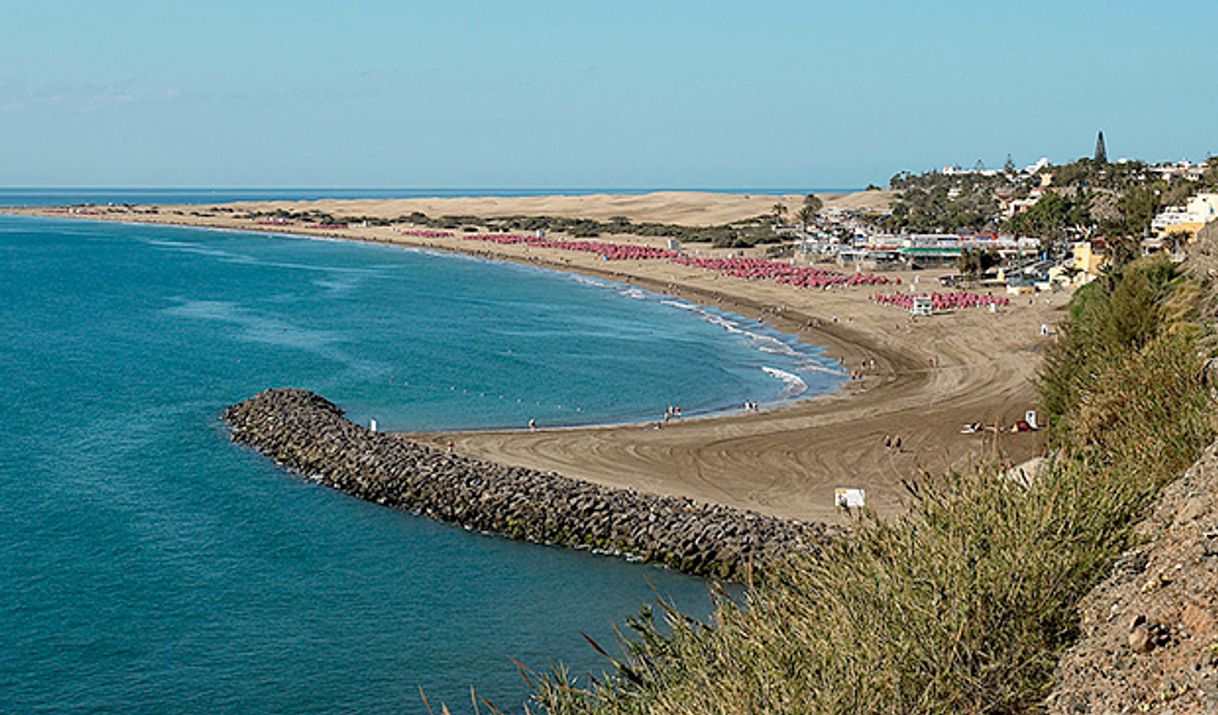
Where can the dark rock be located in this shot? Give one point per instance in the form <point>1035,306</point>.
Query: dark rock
<point>309,435</point>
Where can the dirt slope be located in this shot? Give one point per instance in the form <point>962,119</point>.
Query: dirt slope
<point>1150,631</point>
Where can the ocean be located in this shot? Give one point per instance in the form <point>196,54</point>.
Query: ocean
<point>149,565</point>
<point>118,196</point>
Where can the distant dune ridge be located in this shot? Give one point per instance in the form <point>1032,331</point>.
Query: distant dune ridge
<point>686,208</point>
<point>929,376</point>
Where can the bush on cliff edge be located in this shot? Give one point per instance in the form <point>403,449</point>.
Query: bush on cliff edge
<point>966,603</point>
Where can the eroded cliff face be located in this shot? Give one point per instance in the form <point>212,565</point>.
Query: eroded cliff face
<point>1149,640</point>
<point>309,435</point>
<point>1202,261</point>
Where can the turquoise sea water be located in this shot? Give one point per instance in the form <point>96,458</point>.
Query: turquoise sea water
<point>148,565</point>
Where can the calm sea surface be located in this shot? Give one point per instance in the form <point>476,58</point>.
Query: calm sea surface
<point>66,196</point>
<point>148,565</point>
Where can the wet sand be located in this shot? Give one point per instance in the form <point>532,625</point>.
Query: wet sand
<point>786,461</point>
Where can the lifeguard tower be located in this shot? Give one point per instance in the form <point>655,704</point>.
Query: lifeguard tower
<point>921,305</point>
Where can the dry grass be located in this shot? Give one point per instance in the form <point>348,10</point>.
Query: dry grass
<point>965,603</point>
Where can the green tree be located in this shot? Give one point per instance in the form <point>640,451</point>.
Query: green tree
<point>969,263</point>
<point>1053,219</point>
<point>973,262</point>
<point>778,210</point>
<point>806,215</point>
<point>1137,208</point>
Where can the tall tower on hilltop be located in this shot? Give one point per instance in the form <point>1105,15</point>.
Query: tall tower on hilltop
<point>1101,152</point>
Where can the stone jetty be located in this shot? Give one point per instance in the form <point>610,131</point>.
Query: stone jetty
<point>309,435</point>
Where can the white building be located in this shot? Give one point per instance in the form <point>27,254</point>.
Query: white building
<point>1200,210</point>
<point>957,171</point>
<point>1040,164</point>
<point>1183,169</point>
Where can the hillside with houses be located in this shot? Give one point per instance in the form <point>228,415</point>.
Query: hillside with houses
<point>1040,227</point>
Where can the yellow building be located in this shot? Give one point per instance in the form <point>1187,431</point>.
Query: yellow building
<point>1187,220</point>
<point>1087,259</point>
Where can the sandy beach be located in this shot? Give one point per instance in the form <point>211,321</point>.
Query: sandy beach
<point>932,374</point>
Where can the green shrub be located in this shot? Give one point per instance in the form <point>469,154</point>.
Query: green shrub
<point>965,603</point>
<point>1108,318</point>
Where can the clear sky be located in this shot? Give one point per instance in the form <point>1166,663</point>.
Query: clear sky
<point>625,94</point>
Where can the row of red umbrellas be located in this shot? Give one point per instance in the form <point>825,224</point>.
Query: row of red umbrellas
<point>610,251</point>
<point>746,268</point>
<point>782,272</point>
<point>942,301</point>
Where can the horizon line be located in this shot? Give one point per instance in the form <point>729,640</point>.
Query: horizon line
<point>424,188</point>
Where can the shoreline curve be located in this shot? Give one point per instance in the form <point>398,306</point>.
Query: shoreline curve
<point>784,461</point>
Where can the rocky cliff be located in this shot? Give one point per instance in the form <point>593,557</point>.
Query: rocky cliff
<point>1150,631</point>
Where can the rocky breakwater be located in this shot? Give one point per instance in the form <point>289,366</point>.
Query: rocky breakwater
<point>309,435</point>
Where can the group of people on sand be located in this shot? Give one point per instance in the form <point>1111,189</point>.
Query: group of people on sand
<point>892,443</point>
<point>977,427</point>
<point>750,406</point>
<point>865,365</point>
<point>672,413</point>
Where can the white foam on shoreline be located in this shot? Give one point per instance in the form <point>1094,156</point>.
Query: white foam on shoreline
<point>794,384</point>
<point>763,343</point>
<point>580,278</point>
<point>626,290</point>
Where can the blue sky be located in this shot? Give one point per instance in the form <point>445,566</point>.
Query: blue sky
<point>265,93</point>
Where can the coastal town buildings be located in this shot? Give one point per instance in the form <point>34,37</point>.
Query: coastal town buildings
<point>1185,221</point>
<point>1088,257</point>
<point>1183,169</point>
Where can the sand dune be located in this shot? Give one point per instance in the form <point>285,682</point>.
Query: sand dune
<point>679,207</point>
<point>786,461</point>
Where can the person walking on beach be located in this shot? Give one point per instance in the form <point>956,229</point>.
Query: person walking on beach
<point>532,425</point>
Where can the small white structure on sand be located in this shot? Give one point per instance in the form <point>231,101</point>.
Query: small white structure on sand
<point>674,244</point>
<point>849,498</point>
<point>1030,418</point>
<point>921,305</point>
<point>372,424</point>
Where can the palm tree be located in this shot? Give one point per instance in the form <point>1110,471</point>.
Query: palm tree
<point>806,215</point>
<point>779,210</point>
<point>812,201</point>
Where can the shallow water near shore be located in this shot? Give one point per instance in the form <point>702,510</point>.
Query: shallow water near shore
<point>146,564</point>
